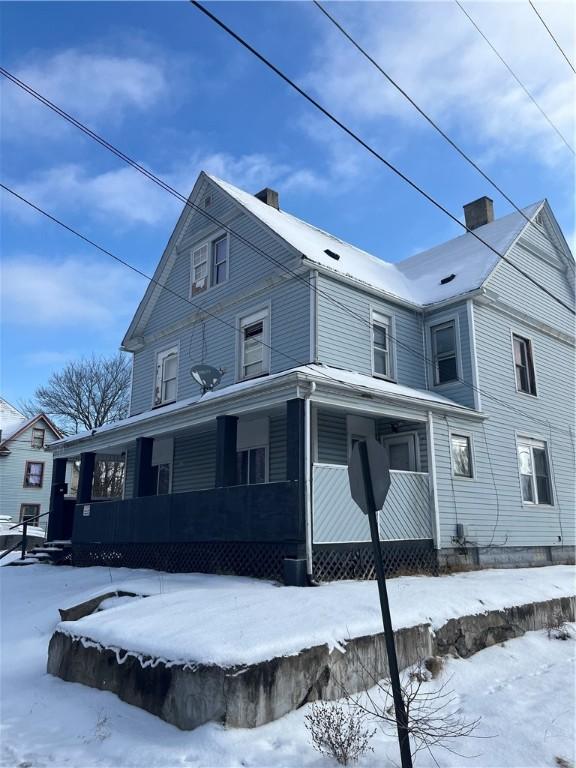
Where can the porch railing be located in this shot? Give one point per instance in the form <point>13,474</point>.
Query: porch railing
<point>406,513</point>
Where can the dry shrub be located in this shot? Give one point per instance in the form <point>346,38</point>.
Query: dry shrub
<point>557,627</point>
<point>337,730</point>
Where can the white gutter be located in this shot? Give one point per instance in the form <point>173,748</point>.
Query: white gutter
<point>307,480</point>
<point>432,480</point>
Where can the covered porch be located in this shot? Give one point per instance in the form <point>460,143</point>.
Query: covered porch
<point>254,481</point>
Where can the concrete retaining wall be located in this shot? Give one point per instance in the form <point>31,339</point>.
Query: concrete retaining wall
<point>248,696</point>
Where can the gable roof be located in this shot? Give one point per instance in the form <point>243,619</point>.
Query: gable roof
<point>415,280</point>
<point>17,429</point>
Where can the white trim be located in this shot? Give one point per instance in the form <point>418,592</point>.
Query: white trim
<point>434,322</point>
<point>209,241</point>
<point>386,320</point>
<point>308,479</point>
<point>535,442</point>
<point>492,299</point>
<point>530,341</point>
<point>474,355</point>
<point>433,480</point>
<point>413,438</point>
<point>264,313</point>
<point>470,437</point>
<point>165,351</point>
<point>255,447</point>
<point>313,297</point>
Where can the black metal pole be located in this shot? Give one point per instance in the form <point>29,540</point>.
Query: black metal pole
<point>24,538</point>
<point>399,707</point>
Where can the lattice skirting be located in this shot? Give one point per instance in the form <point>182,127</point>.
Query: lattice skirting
<point>240,558</point>
<point>355,561</point>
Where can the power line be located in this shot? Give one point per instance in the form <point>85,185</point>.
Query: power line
<point>547,28</point>
<point>427,117</point>
<point>371,150</point>
<point>269,346</point>
<point>514,75</point>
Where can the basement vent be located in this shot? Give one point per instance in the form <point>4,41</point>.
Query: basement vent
<point>447,279</point>
<point>332,254</point>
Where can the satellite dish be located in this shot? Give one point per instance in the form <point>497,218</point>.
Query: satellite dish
<point>206,376</point>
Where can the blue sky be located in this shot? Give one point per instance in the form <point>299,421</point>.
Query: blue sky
<point>169,88</point>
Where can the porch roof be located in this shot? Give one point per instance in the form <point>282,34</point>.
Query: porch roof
<point>332,386</point>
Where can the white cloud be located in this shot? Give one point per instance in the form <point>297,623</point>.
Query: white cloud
<point>72,293</point>
<point>126,198</point>
<point>437,56</point>
<point>94,87</point>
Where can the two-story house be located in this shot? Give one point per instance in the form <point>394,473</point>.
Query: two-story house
<point>25,467</point>
<point>454,359</point>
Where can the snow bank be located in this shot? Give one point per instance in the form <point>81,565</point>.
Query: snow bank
<point>229,621</point>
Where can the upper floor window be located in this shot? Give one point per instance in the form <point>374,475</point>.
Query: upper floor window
<point>382,361</point>
<point>534,471</point>
<point>166,376</point>
<point>37,437</point>
<point>254,345</point>
<point>209,264</point>
<point>461,450</point>
<point>34,474</point>
<point>524,365</point>
<point>444,352</point>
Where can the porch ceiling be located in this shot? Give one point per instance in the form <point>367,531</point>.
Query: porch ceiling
<point>323,384</point>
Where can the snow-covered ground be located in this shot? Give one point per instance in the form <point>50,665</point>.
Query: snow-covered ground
<point>524,690</point>
<point>239,621</point>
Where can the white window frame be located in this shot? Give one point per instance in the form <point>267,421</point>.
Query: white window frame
<point>243,321</point>
<point>386,321</point>
<point>468,436</point>
<point>161,356</point>
<point>432,325</point>
<point>208,244</point>
<point>521,335</point>
<point>249,448</point>
<point>534,442</point>
<point>412,438</point>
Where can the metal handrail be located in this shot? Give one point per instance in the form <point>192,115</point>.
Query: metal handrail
<point>28,521</point>
<point>7,551</point>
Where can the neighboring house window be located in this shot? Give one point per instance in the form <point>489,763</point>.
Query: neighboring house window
<point>37,438</point>
<point>444,352</point>
<point>30,513</point>
<point>254,349</point>
<point>34,474</point>
<point>461,450</point>
<point>381,345</point>
<point>166,376</point>
<point>524,365</point>
<point>534,471</point>
<point>251,466</point>
<point>209,264</point>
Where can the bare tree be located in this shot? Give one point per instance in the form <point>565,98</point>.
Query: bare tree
<point>86,394</point>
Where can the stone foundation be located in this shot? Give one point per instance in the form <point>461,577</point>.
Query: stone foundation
<point>472,558</point>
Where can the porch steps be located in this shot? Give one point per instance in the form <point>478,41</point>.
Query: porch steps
<point>50,553</point>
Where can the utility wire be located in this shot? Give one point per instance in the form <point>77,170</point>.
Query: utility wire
<point>268,346</point>
<point>427,117</point>
<point>371,150</point>
<point>514,75</point>
<point>547,28</point>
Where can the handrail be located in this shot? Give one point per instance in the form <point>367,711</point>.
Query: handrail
<point>28,521</point>
<point>7,551</point>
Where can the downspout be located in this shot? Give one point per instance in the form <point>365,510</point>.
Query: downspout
<point>307,478</point>
<point>433,482</point>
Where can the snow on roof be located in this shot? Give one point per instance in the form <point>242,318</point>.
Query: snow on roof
<point>318,373</point>
<point>416,279</point>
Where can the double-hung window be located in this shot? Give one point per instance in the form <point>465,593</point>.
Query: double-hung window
<point>381,345</point>
<point>254,345</point>
<point>461,450</point>
<point>37,437</point>
<point>251,465</point>
<point>534,471</point>
<point>524,365</point>
<point>34,474</point>
<point>444,352</point>
<point>209,264</point>
<point>166,376</point>
<point>30,513</point>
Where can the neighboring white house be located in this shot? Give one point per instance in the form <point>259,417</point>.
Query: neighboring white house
<point>25,467</point>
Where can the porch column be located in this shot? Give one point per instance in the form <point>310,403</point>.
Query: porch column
<point>226,432</point>
<point>57,493</point>
<point>86,476</point>
<point>143,472</point>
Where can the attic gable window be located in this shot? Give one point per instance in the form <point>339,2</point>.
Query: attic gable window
<point>209,265</point>
<point>166,383</point>
<point>37,437</point>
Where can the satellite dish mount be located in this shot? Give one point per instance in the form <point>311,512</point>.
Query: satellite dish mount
<point>206,376</point>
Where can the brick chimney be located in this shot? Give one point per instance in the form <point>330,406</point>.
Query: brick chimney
<point>479,212</point>
<point>269,196</point>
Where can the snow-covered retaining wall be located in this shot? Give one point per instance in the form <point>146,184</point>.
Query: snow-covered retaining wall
<point>188,695</point>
